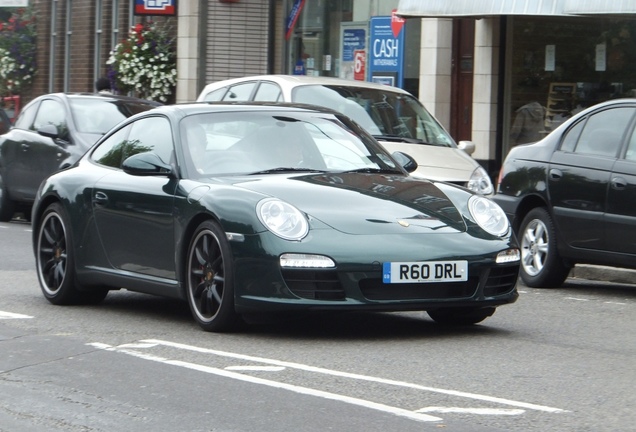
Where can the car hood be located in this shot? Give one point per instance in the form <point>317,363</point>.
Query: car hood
<point>438,163</point>
<point>365,203</point>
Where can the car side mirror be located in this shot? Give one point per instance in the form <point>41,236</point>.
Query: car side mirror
<point>406,161</point>
<point>49,131</point>
<point>146,164</point>
<point>467,146</point>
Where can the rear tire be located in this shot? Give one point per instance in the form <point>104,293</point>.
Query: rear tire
<point>460,316</point>
<point>55,261</point>
<point>7,206</point>
<point>541,264</point>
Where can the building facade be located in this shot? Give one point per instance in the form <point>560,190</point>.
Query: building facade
<point>496,76</point>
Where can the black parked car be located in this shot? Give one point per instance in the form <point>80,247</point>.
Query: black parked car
<point>5,121</point>
<point>571,197</point>
<point>51,133</point>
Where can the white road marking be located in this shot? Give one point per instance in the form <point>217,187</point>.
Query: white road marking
<point>297,389</point>
<point>615,303</point>
<point>480,411</point>
<point>577,299</point>
<point>308,368</point>
<point>255,368</point>
<point>9,315</point>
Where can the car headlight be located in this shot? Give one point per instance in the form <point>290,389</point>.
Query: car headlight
<point>480,182</point>
<point>488,215</point>
<point>282,219</point>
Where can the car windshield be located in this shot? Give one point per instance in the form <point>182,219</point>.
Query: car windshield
<point>270,143</point>
<point>387,115</point>
<point>98,115</point>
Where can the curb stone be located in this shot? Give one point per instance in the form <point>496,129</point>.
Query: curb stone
<point>603,273</point>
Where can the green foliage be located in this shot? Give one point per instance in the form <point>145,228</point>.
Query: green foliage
<point>145,63</point>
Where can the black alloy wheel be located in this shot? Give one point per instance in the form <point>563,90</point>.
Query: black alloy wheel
<point>55,262</point>
<point>541,264</point>
<point>210,280</point>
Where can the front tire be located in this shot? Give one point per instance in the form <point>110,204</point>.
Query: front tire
<point>210,279</point>
<point>541,264</point>
<point>460,316</point>
<point>55,261</point>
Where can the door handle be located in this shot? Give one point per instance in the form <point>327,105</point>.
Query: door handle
<point>555,174</point>
<point>100,198</point>
<point>619,183</point>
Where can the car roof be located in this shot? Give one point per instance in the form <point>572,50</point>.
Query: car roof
<point>86,95</point>
<point>301,80</point>
<point>189,108</point>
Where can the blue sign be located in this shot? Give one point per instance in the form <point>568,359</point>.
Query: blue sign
<point>386,52</point>
<point>352,40</point>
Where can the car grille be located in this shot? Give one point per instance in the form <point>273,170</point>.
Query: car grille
<point>325,285</point>
<point>501,280</point>
<point>375,289</point>
<point>315,285</point>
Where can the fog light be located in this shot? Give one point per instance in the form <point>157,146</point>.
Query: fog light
<point>305,260</point>
<point>508,256</point>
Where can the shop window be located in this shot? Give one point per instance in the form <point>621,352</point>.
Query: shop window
<point>560,73</point>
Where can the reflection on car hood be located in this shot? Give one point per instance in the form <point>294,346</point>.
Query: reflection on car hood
<point>438,163</point>
<point>365,204</point>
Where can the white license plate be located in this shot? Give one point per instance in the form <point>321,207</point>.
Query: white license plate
<point>425,271</point>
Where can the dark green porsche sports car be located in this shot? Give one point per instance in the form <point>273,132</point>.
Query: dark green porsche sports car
<point>243,208</point>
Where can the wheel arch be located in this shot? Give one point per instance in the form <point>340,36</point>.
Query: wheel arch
<point>525,206</point>
<point>184,244</point>
<point>37,213</point>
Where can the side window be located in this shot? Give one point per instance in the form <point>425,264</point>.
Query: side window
<point>268,92</point>
<point>52,112</point>
<point>25,119</point>
<point>110,152</point>
<point>604,131</point>
<point>215,95</point>
<point>240,92</point>
<point>630,154</point>
<point>151,134</point>
<point>571,137</point>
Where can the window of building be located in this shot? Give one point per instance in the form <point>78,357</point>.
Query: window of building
<point>561,65</point>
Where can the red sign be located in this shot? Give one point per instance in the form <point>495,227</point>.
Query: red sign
<point>359,63</point>
<point>396,23</point>
<point>155,7</point>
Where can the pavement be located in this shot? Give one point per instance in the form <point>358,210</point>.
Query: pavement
<point>603,273</point>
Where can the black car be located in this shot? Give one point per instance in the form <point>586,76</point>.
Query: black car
<point>255,208</point>
<point>51,133</point>
<point>5,121</point>
<point>571,197</point>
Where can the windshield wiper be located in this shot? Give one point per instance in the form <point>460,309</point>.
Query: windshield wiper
<point>286,169</point>
<point>374,170</point>
<point>397,138</point>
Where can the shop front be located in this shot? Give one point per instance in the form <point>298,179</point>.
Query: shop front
<point>353,39</point>
<point>548,59</point>
<point>561,65</point>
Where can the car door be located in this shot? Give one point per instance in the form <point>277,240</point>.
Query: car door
<point>579,176</point>
<point>620,218</point>
<point>134,215</point>
<point>31,157</point>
